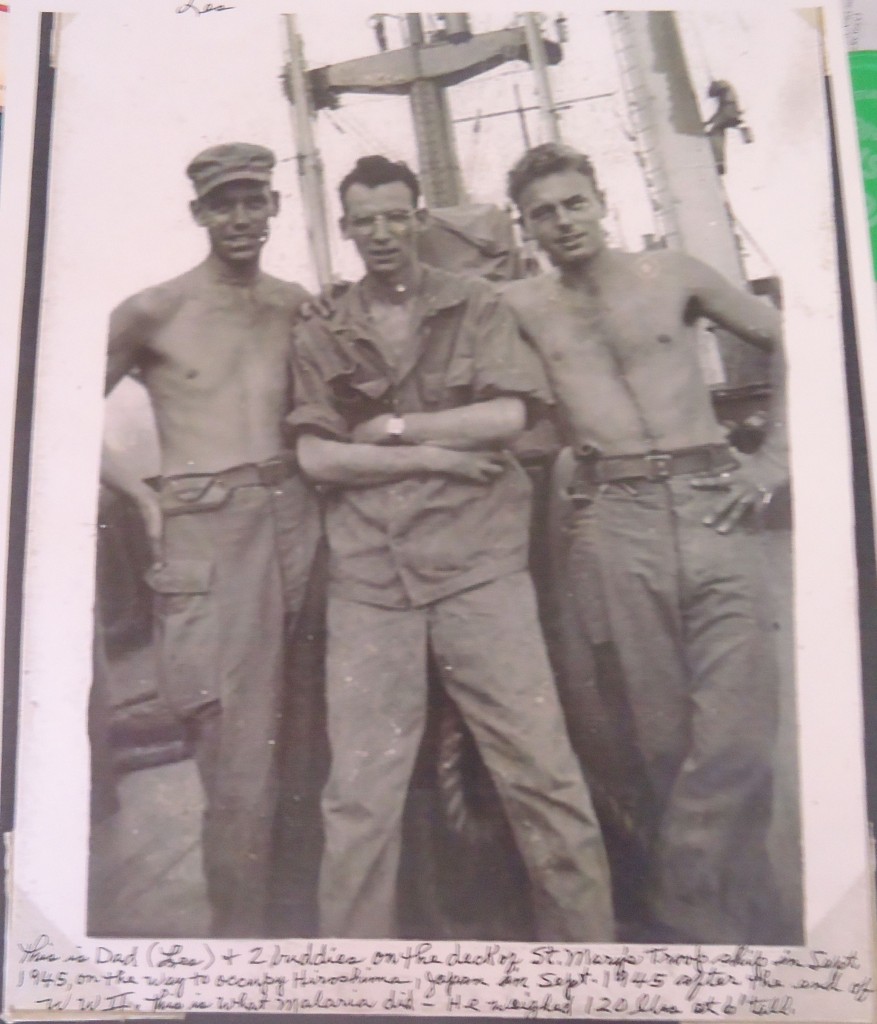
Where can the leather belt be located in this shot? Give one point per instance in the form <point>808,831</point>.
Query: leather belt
<point>603,469</point>
<point>203,491</point>
<point>258,474</point>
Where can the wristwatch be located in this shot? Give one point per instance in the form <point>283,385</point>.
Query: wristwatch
<point>395,428</point>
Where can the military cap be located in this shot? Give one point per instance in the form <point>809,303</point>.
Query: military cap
<point>231,161</point>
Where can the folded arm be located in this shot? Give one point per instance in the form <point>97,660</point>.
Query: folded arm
<point>488,424</point>
<point>362,465</point>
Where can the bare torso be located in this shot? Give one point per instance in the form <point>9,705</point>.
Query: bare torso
<point>214,359</point>
<point>621,352</point>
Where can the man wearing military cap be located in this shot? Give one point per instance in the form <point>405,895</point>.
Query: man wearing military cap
<point>233,526</point>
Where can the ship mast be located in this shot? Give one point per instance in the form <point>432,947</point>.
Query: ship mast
<point>308,160</point>
<point>436,146</point>
<point>536,54</point>
<point>423,71</point>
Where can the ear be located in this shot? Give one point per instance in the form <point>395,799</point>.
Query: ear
<point>198,213</point>
<point>421,218</point>
<point>526,234</point>
<point>343,227</point>
<point>275,203</point>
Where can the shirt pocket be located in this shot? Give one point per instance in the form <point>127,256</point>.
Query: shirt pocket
<point>187,633</point>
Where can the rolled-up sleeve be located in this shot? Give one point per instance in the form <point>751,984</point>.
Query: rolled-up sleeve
<point>313,366</point>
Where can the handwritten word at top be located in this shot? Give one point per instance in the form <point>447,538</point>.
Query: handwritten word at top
<point>203,8</point>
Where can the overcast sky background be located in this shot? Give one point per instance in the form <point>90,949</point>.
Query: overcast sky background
<point>156,87</point>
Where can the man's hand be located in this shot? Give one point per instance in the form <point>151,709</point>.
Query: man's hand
<point>150,511</point>
<point>739,492</point>
<point>474,467</point>
<point>323,305</point>
<point>116,473</point>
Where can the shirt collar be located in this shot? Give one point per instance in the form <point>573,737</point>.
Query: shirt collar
<point>437,290</point>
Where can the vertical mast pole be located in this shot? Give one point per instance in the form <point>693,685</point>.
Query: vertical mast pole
<point>536,53</point>
<point>310,166</point>
<point>436,148</point>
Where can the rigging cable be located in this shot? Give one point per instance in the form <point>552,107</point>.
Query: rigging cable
<point>750,238</point>
<point>474,160</point>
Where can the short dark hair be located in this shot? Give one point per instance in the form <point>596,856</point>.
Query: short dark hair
<point>549,158</point>
<point>372,171</point>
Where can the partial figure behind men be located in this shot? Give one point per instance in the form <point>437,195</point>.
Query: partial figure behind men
<point>406,401</point>
<point>662,562</point>
<point>233,525</point>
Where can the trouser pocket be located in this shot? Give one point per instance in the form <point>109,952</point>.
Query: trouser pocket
<point>186,632</point>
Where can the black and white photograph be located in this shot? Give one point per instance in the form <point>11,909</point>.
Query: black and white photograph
<point>439,544</point>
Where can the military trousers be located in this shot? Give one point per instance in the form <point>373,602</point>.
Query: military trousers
<point>491,657</point>
<point>682,606</point>
<point>229,588</point>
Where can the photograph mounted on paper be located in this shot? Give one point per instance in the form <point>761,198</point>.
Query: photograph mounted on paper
<point>443,583</point>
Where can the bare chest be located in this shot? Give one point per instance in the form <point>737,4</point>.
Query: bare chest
<point>619,331</point>
<point>224,343</point>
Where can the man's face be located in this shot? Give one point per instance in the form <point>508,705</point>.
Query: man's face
<point>382,224</point>
<point>236,217</point>
<point>562,213</point>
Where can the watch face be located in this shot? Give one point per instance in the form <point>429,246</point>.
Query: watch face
<point>395,426</point>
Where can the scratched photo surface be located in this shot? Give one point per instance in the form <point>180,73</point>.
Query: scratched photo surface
<point>443,726</point>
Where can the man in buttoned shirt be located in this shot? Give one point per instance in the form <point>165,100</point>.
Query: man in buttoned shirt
<point>405,402</point>
<point>663,567</point>
<point>233,525</point>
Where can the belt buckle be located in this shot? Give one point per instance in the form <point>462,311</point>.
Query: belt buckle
<point>659,464</point>
<point>271,472</point>
<point>188,489</point>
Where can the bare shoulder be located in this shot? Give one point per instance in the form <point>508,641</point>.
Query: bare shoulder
<point>288,294</point>
<point>156,303</point>
<point>668,264</point>
<point>687,272</point>
<point>529,292</point>
<point>136,322</point>
<point>532,298</point>
<point>708,293</point>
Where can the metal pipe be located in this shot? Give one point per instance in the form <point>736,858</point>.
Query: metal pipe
<point>308,161</point>
<point>536,54</point>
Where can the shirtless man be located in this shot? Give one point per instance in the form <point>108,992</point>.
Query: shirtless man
<point>662,566</point>
<point>233,525</point>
